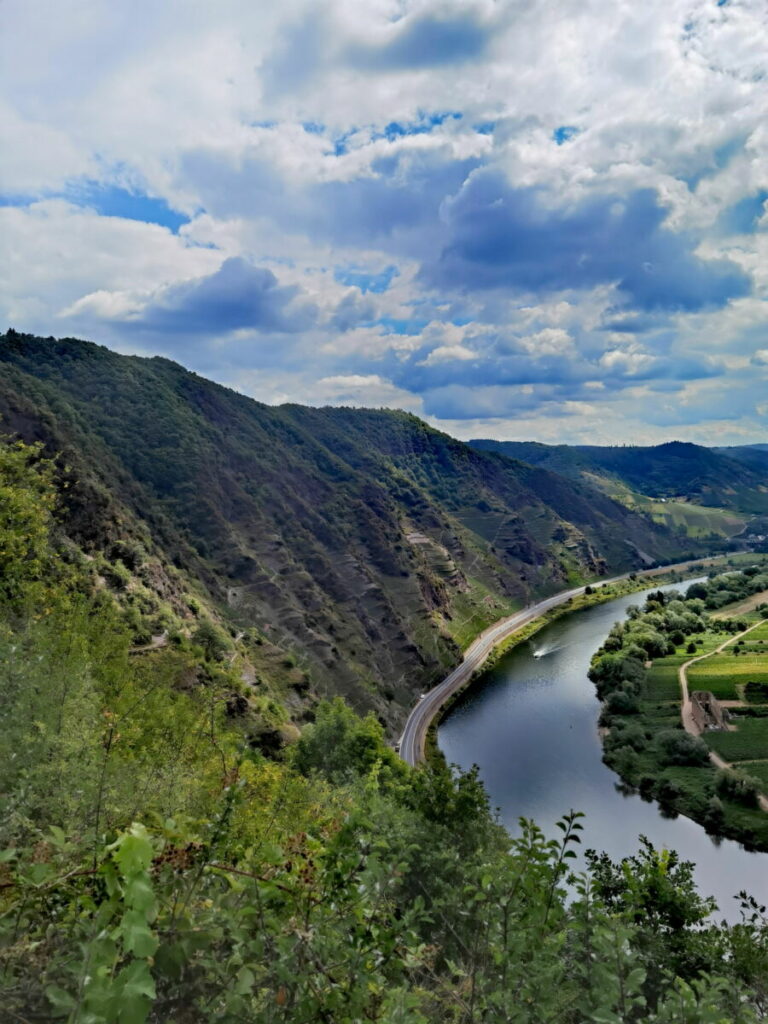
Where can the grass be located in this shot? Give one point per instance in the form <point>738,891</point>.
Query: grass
<point>662,680</point>
<point>696,520</point>
<point>757,769</point>
<point>718,686</point>
<point>758,633</point>
<point>723,673</point>
<point>474,611</point>
<point>749,742</point>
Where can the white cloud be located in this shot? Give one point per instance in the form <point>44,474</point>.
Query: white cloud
<point>448,352</point>
<point>189,102</point>
<point>550,341</point>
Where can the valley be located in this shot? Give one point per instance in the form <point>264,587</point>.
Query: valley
<point>696,491</point>
<point>362,545</point>
<point>214,618</point>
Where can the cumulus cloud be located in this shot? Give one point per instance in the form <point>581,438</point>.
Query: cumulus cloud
<point>494,214</point>
<point>238,295</point>
<point>428,40</point>
<point>503,237</point>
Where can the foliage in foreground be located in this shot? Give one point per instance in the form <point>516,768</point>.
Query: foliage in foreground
<point>154,867</point>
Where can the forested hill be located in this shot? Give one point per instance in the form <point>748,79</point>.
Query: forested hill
<point>363,543</point>
<point>730,478</point>
<point>157,866</point>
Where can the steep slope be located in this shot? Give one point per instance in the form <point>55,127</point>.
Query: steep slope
<point>755,456</point>
<point>362,542</point>
<point>735,479</point>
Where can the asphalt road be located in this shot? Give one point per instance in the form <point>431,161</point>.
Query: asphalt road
<point>412,740</point>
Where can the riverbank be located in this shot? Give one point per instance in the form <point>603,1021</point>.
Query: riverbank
<point>588,597</point>
<point>530,725</point>
<point>697,764</point>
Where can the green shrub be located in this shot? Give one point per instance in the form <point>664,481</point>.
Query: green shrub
<point>743,789</point>
<point>680,748</point>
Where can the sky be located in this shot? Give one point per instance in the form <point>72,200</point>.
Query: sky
<point>521,219</point>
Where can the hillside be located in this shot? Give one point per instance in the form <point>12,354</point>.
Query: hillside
<point>755,456</point>
<point>731,479</point>
<point>361,543</point>
<point>154,867</point>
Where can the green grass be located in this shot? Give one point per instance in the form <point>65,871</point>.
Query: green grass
<point>758,633</point>
<point>473,611</point>
<point>722,673</point>
<point>749,742</point>
<point>661,716</point>
<point>662,680</point>
<point>758,770</point>
<point>718,686</point>
<point>696,520</point>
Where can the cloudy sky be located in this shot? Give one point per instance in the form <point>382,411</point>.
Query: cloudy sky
<point>523,219</point>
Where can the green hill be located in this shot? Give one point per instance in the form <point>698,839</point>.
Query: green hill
<point>731,479</point>
<point>156,867</point>
<point>363,543</point>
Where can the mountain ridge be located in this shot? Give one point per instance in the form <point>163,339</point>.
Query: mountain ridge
<point>727,478</point>
<point>362,542</point>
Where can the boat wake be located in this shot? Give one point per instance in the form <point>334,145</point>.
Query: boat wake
<point>542,652</point>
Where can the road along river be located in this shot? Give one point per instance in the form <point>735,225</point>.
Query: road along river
<point>411,745</point>
<point>531,726</point>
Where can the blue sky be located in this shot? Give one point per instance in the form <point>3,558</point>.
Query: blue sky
<point>545,220</point>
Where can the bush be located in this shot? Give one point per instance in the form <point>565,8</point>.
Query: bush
<point>667,791</point>
<point>620,702</point>
<point>678,747</point>
<point>629,736</point>
<point>213,641</point>
<point>714,815</point>
<point>742,789</point>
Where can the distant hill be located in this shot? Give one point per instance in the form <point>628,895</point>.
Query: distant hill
<point>364,543</point>
<point>755,456</point>
<point>735,479</point>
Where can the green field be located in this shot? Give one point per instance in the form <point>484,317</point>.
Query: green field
<point>749,742</point>
<point>696,520</point>
<point>661,682</point>
<point>758,769</point>
<point>722,673</point>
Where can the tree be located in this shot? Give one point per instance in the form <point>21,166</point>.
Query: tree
<point>678,747</point>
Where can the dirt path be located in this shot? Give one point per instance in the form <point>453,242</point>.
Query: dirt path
<point>154,645</point>
<point>687,710</point>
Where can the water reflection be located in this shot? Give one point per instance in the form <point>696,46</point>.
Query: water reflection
<point>531,727</point>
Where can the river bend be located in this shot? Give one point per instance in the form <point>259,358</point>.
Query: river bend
<point>531,726</point>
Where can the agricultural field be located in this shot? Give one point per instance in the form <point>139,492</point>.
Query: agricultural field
<point>726,673</point>
<point>678,514</point>
<point>661,682</point>
<point>749,741</point>
<point>757,769</point>
<point>662,679</point>
<point>695,520</point>
<point>640,733</point>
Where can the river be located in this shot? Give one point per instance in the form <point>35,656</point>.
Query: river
<point>531,726</point>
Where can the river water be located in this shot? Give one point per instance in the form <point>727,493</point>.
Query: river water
<point>531,726</point>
